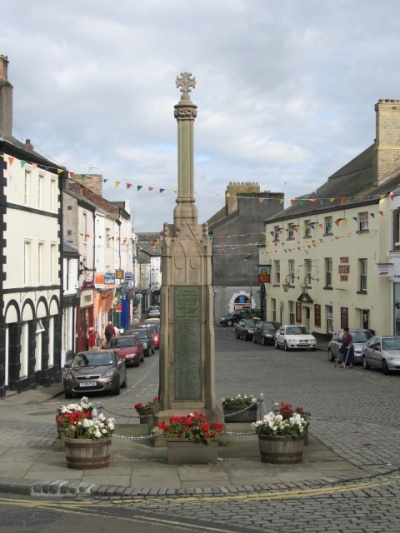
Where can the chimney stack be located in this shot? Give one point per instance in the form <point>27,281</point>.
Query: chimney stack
<point>387,143</point>
<point>6,96</point>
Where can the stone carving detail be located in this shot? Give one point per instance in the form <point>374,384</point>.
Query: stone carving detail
<point>186,82</point>
<point>185,112</point>
<point>186,260</point>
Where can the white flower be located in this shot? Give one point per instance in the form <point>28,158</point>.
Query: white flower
<point>97,434</point>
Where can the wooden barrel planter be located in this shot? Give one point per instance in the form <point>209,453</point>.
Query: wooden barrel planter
<point>186,452</point>
<point>87,454</point>
<point>281,450</point>
<point>236,413</point>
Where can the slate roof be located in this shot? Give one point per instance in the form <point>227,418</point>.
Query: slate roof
<point>353,184</point>
<point>150,242</point>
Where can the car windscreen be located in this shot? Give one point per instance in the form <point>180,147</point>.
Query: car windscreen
<point>121,342</point>
<point>141,333</point>
<point>93,359</point>
<point>391,344</point>
<point>298,330</point>
<point>361,336</point>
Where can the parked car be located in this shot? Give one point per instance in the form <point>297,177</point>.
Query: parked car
<point>235,316</point>
<point>264,333</point>
<point>98,371</point>
<point>360,337</point>
<point>154,329</point>
<point>383,353</point>
<point>129,348</point>
<point>153,320</point>
<point>153,311</point>
<point>294,337</point>
<point>244,329</point>
<point>145,336</point>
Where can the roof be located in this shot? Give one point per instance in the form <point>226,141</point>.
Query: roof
<point>353,184</point>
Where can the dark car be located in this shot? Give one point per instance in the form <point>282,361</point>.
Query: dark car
<point>244,329</point>
<point>264,333</point>
<point>360,338</point>
<point>154,330</point>
<point>98,371</point>
<point>129,348</point>
<point>235,316</point>
<point>145,336</point>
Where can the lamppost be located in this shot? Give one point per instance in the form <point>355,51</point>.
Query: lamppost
<point>247,257</point>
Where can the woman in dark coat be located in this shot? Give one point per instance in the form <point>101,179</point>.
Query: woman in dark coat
<point>347,349</point>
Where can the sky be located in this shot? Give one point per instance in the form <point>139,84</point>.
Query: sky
<point>285,91</point>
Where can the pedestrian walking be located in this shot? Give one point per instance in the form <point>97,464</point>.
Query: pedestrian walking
<point>92,339</point>
<point>109,332</point>
<point>347,349</point>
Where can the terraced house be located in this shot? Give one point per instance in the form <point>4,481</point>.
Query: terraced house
<point>333,256</point>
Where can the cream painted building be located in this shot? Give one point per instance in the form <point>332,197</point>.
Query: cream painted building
<point>333,257</point>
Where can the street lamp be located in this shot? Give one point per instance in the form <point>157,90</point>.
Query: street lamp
<point>304,285</point>
<point>247,258</point>
<point>286,284</point>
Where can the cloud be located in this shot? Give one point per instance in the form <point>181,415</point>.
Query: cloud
<point>285,90</point>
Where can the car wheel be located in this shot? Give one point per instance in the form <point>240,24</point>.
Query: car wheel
<point>263,341</point>
<point>254,339</point>
<point>236,334</point>
<point>125,383</point>
<point>117,388</point>
<point>153,351</point>
<point>245,337</point>
<point>330,355</point>
<point>142,358</point>
<point>385,368</point>
<point>285,346</point>
<point>229,323</point>
<point>276,344</point>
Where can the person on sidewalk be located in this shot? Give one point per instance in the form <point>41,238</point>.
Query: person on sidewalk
<point>109,332</point>
<point>347,349</point>
<point>92,339</point>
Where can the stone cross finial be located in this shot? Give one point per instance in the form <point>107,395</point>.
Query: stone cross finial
<point>186,82</point>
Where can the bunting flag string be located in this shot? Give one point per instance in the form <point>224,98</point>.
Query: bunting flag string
<point>152,188</point>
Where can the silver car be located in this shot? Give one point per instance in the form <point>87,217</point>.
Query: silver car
<point>383,353</point>
<point>100,371</point>
<point>360,337</point>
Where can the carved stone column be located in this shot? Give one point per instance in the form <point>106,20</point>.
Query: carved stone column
<point>187,345</point>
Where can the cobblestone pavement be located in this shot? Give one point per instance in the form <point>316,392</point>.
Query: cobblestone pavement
<point>354,412</point>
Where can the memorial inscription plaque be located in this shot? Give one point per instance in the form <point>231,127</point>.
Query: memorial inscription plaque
<point>187,329</point>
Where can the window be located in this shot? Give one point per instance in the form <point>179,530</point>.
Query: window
<point>277,269</point>
<point>363,221</point>
<point>291,265</point>
<point>292,316</point>
<point>53,190</point>
<point>40,262</point>
<point>273,305</point>
<point>308,226</point>
<point>277,234</point>
<point>396,228</point>
<point>291,229</point>
<point>328,226</point>
<point>84,227</point>
<point>308,271</point>
<point>363,266</point>
<point>53,264</point>
<point>27,183</point>
<point>328,272</point>
<point>40,192</point>
<point>27,263</point>
<point>329,318</point>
